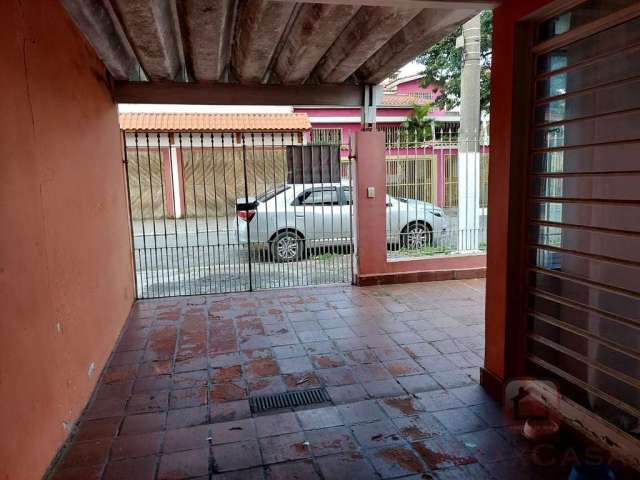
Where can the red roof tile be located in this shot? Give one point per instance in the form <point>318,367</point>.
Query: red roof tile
<point>403,100</point>
<point>214,122</point>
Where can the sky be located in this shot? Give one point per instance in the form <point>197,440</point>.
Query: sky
<point>409,69</point>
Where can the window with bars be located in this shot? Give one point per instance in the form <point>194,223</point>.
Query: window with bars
<point>450,180</point>
<point>423,95</point>
<point>484,180</point>
<point>326,136</point>
<point>411,177</point>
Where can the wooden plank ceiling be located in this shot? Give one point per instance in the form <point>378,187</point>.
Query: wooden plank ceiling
<point>268,42</point>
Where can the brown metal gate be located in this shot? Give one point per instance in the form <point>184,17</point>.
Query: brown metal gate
<point>218,212</point>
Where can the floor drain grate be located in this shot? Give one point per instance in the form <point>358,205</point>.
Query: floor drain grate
<point>289,399</point>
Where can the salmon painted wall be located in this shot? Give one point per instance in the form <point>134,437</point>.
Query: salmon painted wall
<point>371,235</point>
<point>66,282</point>
<point>505,18</point>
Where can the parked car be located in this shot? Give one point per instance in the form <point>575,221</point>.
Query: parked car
<point>290,219</point>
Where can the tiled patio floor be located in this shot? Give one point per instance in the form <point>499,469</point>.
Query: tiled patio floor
<point>400,363</point>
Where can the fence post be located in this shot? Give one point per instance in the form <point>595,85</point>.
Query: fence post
<point>175,155</point>
<point>468,194</point>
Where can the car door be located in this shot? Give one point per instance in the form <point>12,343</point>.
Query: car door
<point>319,208</point>
<point>346,211</point>
<point>392,217</point>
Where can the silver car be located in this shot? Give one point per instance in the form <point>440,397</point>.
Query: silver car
<point>291,219</point>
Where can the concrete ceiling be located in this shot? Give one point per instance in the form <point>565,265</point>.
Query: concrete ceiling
<point>264,42</point>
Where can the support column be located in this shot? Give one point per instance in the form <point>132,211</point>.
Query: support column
<point>370,221</point>
<point>468,151</point>
<point>167,181</point>
<point>371,98</point>
<point>177,189</point>
<point>439,153</point>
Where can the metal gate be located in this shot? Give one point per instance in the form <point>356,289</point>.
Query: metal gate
<point>218,212</point>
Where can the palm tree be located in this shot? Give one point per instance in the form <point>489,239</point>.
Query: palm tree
<point>418,124</point>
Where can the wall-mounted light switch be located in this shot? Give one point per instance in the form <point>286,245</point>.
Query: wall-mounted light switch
<point>371,192</point>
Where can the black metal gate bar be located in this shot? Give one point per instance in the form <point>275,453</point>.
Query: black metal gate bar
<point>191,236</point>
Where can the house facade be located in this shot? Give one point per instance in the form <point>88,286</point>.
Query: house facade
<point>167,152</point>
<point>435,161</point>
<point>400,97</point>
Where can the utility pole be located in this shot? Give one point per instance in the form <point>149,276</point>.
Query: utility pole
<point>468,140</point>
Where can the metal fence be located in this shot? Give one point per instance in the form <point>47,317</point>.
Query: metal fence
<point>326,136</point>
<point>437,193</point>
<point>217,212</point>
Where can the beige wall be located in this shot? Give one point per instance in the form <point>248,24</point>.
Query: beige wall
<point>65,272</point>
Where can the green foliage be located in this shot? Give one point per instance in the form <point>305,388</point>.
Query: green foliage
<point>425,251</point>
<point>443,66</point>
<point>419,117</point>
<point>418,124</point>
<point>324,256</point>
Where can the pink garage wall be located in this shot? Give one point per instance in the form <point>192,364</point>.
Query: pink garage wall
<point>371,236</point>
<point>66,282</point>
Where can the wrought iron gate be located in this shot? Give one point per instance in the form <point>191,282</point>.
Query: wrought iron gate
<point>215,212</point>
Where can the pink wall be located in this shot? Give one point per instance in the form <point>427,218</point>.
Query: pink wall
<point>371,217</point>
<point>354,112</point>
<point>328,112</point>
<point>351,112</point>
<point>66,278</point>
<point>414,86</point>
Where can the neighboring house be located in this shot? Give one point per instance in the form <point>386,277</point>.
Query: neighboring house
<point>330,124</point>
<point>172,146</point>
<point>423,171</point>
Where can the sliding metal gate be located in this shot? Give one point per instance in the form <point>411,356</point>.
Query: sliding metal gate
<point>224,212</point>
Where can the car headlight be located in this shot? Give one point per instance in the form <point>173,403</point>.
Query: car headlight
<point>438,213</point>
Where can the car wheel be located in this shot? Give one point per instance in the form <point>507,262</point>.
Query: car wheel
<point>416,235</point>
<point>287,247</point>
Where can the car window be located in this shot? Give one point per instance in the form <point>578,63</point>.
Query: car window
<point>346,191</point>
<point>320,197</point>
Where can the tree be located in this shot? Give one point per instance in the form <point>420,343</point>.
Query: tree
<point>418,124</point>
<point>443,66</point>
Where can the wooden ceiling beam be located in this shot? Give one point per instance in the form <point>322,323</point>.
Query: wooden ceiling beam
<point>367,32</point>
<point>316,28</point>
<point>152,28</point>
<point>205,30</point>
<point>97,21</point>
<point>208,93</point>
<point>437,4</point>
<point>259,29</point>
<point>424,30</point>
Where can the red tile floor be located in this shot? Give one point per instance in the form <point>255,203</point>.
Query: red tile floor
<point>400,363</point>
